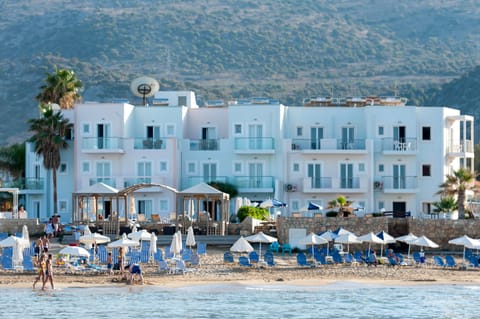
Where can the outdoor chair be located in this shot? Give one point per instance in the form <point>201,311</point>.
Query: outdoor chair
<point>195,260</point>
<point>253,256</point>
<point>181,268</point>
<point>286,248</point>
<point>158,255</point>
<point>202,248</point>
<point>450,261</point>
<point>274,247</point>
<point>228,257</point>
<point>439,261</point>
<point>269,259</point>
<point>302,260</point>
<point>244,262</point>
<point>163,266</point>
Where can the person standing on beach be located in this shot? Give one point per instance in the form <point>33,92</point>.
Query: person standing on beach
<point>41,268</point>
<point>48,272</point>
<point>110,263</point>
<point>38,247</point>
<point>45,244</point>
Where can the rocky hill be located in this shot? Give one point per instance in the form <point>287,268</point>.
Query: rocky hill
<point>223,48</point>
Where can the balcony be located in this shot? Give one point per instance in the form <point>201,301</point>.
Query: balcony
<point>195,180</point>
<point>110,181</point>
<point>399,184</point>
<point>31,184</point>
<point>149,144</point>
<point>328,145</point>
<point>102,145</point>
<point>460,149</point>
<point>254,145</point>
<point>204,145</point>
<point>405,146</point>
<point>254,184</point>
<point>332,185</point>
<point>130,181</point>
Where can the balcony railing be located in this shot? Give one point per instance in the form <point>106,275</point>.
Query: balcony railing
<point>195,180</point>
<point>253,144</point>
<point>401,145</point>
<point>25,184</point>
<point>149,143</point>
<point>253,182</point>
<point>392,183</point>
<point>460,147</point>
<point>327,144</point>
<point>110,181</point>
<point>130,181</point>
<point>102,143</point>
<point>204,145</point>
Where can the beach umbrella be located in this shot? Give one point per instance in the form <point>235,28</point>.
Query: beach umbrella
<point>329,236</point>
<point>387,239</point>
<point>139,235</point>
<point>424,241</point>
<point>466,242</point>
<point>94,239</point>
<point>370,238</point>
<point>313,239</point>
<point>313,206</point>
<point>153,245</point>
<point>269,203</point>
<point>407,239</point>
<point>25,237</point>
<point>261,238</point>
<point>175,247</point>
<point>342,231</point>
<point>17,248</point>
<point>123,242</point>
<point>190,241</point>
<point>241,246</point>
<point>348,238</point>
<point>75,251</point>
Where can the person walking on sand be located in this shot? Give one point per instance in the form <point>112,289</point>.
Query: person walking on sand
<point>48,272</point>
<point>41,268</point>
<point>110,263</point>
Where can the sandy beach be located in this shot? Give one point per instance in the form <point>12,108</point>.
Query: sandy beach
<point>213,270</point>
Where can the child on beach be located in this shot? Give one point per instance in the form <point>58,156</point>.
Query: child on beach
<point>110,263</point>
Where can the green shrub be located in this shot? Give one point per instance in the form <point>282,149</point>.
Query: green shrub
<point>254,212</point>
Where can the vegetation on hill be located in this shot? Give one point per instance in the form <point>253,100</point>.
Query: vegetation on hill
<point>223,48</point>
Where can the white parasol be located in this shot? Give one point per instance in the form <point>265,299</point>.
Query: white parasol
<point>330,236</point>
<point>153,245</point>
<point>190,241</point>
<point>313,239</point>
<point>94,239</point>
<point>466,242</point>
<point>370,238</point>
<point>17,248</point>
<point>348,238</point>
<point>123,242</point>
<point>261,238</point>
<point>75,251</point>
<point>387,239</point>
<point>241,246</point>
<point>407,239</point>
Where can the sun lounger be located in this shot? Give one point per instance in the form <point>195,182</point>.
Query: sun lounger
<point>244,261</point>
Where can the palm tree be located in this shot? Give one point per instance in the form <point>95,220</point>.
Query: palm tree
<point>341,203</point>
<point>12,159</point>
<point>61,87</point>
<point>49,133</point>
<point>456,185</point>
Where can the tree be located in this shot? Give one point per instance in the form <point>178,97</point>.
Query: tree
<point>341,203</point>
<point>456,185</point>
<point>49,133</point>
<point>61,87</point>
<point>12,159</point>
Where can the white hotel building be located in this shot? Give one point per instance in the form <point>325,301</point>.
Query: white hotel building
<point>382,158</point>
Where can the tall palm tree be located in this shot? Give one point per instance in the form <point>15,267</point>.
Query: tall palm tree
<point>12,159</point>
<point>61,87</point>
<point>49,133</point>
<point>456,185</point>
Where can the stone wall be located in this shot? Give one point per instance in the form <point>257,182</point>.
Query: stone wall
<point>438,230</point>
<point>12,226</point>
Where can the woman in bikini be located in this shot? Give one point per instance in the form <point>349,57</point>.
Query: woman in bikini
<point>41,268</point>
<point>49,272</point>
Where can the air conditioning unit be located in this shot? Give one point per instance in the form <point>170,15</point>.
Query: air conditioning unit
<point>291,188</point>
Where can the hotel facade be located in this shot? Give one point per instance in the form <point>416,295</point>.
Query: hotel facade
<point>382,157</point>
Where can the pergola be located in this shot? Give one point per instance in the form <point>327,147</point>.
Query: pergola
<point>215,215</point>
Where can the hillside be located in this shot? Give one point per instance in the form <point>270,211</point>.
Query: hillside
<point>222,48</point>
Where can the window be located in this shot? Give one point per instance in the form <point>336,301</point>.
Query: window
<point>62,205</point>
<point>380,130</point>
<point>191,168</point>
<point>381,168</point>
<point>163,204</point>
<point>299,131</point>
<point>86,167</point>
<point>237,167</point>
<point>62,169</point>
<point>237,129</point>
<point>381,205</point>
<point>361,167</point>
<point>426,170</point>
<point>163,166</point>
<point>295,205</point>
<point>182,101</point>
<point>427,208</point>
<point>170,130</point>
<point>296,167</point>
<point>426,134</point>
<point>86,129</point>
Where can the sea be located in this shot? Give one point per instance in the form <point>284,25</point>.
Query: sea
<point>337,300</point>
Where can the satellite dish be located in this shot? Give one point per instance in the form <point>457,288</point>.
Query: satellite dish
<point>144,87</point>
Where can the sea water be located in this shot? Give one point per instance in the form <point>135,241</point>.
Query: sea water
<point>338,300</point>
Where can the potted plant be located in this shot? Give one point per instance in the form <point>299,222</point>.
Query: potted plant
<point>447,205</point>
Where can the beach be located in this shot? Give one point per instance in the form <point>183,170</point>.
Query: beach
<point>213,270</point>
